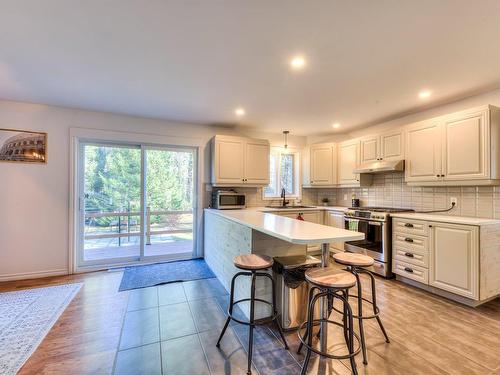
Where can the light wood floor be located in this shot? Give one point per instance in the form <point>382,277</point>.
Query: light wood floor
<point>429,334</point>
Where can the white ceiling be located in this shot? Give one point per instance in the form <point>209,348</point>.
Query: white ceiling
<point>196,61</point>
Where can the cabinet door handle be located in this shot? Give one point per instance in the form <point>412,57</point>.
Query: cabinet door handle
<point>409,225</point>
<point>438,175</point>
<point>409,255</point>
<point>409,239</point>
<point>408,269</point>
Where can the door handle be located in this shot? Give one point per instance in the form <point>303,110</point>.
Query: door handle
<point>409,240</point>
<point>409,225</point>
<point>409,255</point>
<point>408,269</point>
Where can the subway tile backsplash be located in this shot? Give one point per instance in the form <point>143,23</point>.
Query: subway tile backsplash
<point>390,190</point>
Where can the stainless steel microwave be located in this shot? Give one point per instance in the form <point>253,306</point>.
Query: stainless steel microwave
<point>228,200</point>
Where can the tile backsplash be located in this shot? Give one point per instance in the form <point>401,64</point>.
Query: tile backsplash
<point>390,190</point>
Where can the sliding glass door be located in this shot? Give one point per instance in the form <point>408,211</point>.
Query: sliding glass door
<point>169,202</point>
<point>137,203</point>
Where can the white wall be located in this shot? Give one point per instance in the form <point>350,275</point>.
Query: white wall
<point>34,199</point>
<point>491,97</point>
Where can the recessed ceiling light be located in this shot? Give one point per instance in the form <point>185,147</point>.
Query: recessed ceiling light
<point>297,62</point>
<point>424,94</point>
<point>239,111</point>
<point>336,125</point>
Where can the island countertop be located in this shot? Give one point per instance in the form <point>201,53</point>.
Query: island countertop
<point>287,229</point>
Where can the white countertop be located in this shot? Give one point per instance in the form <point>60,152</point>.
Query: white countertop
<point>447,218</point>
<point>295,209</point>
<point>287,229</point>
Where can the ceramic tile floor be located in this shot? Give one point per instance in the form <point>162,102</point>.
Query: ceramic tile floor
<point>173,328</point>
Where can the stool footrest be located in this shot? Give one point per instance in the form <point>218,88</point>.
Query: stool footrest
<point>316,322</point>
<point>373,316</point>
<point>260,321</point>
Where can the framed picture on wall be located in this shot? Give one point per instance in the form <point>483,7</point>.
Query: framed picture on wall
<point>23,146</point>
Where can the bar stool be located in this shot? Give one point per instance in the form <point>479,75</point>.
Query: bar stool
<point>355,264</point>
<point>331,284</point>
<point>251,264</point>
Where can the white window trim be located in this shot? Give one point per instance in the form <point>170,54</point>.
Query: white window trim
<point>298,170</point>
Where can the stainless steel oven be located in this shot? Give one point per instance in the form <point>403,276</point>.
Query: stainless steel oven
<point>377,237</point>
<point>375,223</point>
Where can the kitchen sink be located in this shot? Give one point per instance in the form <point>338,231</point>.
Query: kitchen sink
<point>290,207</point>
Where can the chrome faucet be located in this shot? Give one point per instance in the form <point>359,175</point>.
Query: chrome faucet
<point>283,195</point>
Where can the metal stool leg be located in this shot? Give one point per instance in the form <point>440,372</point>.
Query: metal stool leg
<point>375,308</point>
<point>350,345</point>
<point>360,314</point>
<point>252,324</point>
<point>230,310</point>
<point>306,333</point>
<point>345,294</point>
<point>310,322</point>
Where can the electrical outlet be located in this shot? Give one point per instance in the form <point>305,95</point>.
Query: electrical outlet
<point>345,197</point>
<point>454,201</point>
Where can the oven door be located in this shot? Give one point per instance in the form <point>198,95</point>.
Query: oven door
<point>375,242</point>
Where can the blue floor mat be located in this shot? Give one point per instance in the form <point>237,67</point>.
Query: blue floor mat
<point>163,273</point>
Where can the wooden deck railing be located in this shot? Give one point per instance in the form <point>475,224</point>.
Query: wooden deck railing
<point>128,215</point>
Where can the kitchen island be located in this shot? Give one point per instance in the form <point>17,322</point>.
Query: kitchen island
<point>232,233</point>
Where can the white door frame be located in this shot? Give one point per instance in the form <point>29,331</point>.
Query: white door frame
<point>78,135</point>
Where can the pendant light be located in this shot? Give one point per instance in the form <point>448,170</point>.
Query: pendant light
<point>285,137</point>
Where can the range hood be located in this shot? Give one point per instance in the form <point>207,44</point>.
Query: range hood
<point>381,166</point>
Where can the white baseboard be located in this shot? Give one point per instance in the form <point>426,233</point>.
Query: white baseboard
<point>34,275</point>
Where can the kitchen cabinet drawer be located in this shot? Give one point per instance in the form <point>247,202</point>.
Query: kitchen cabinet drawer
<point>409,226</point>
<point>412,257</point>
<point>410,271</point>
<point>410,242</point>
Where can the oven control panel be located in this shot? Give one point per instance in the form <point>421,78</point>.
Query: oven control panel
<point>361,214</point>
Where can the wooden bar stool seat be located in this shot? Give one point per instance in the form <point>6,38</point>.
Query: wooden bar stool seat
<point>326,277</point>
<point>356,264</point>
<point>253,262</point>
<point>331,284</point>
<point>253,265</point>
<point>352,259</point>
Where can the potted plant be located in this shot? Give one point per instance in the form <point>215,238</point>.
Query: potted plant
<point>325,201</point>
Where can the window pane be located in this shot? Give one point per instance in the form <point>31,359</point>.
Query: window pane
<point>271,190</point>
<point>287,173</point>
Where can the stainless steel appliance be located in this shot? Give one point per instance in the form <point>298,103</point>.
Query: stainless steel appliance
<point>292,302</point>
<point>376,224</point>
<point>228,200</point>
<point>381,166</point>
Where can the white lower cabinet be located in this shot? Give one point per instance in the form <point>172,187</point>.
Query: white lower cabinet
<point>335,219</point>
<point>441,255</point>
<point>454,259</point>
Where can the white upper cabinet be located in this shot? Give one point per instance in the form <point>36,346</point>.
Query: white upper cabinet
<point>465,144</point>
<point>256,157</point>
<point>370,149</point>
<point>392,145</point>
<point>348,160</point>
<point>323,165</point>
<point>459,148</point>
<point>385,146</point>
<point>240,161</point>
<point>423,152</point>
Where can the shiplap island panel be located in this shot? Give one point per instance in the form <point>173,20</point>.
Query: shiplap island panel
<point>232,233</point>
